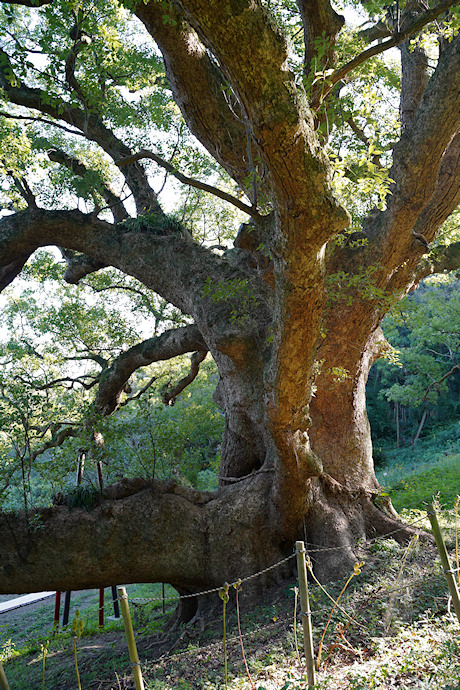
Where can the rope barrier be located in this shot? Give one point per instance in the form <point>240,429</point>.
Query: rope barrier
<point>283,619</point>
<point>373,595</point>
<point>240,581</point>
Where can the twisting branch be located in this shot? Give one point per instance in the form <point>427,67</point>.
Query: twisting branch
<point>399,37</point>
<point>27,3</point>
<point>168,396</point>
<point>58,436</point>
<point>437,384</point>
<point>140,392</point>
<point>61,381</point>
<point>114,202</point>
<point>169,344</point>
<point>192,182</point>
<point>42,120</point>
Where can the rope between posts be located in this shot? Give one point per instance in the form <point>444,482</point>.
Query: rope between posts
<point>145,600</point>
<point>280,621</point>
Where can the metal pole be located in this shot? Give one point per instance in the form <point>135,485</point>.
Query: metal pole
<point>101,608</point>
<point>305,613</point>
<point>57,608</point>
<point>65,615</point>
<point>133,655</point>
<point>3,681</point>
<point>116,608</point>
<point>448,572</point>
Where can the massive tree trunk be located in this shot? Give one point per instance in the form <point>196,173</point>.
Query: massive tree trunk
<point>293,364</point>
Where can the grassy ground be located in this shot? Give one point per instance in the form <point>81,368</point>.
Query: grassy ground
<point>402,635</point>
<point>416,473</point>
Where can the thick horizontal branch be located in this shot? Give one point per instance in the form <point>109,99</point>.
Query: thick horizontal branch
<point>192,182</point>
<point>395,40</point>
<point>172,265</point>
<point>72,549</point>
<point>169,344</point>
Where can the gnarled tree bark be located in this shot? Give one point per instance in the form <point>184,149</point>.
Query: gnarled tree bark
<point>296,452</point>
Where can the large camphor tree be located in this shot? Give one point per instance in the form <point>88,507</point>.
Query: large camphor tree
<point>343,166</point>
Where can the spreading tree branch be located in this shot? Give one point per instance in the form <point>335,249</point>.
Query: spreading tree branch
<point>113,201</point>
<point>398,37</point>
<point>172,265</point>
<point>437,384</point>
<point>250,210</point>
<point>89,123</point>
<point>27,3</point>
<point>199,88</point>
<point>58,436</point>
<point>139,393</point>
<point>165,346</point>
<point>169,395</point>
<point>61,381</point>
<point>9,272</point>
<point>426,168</point>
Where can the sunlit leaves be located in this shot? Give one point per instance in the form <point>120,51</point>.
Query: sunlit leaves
<point>427,334</point>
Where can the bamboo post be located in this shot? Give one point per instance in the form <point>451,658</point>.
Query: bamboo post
<point>3,681</point>
<point>133,655</point>
<point>448,572</point>
<point>305,613</point>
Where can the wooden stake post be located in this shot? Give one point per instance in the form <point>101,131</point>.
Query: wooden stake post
<point>305,613</point>
<point>3,682</point>
<point>448,572</point>
<point>133,655</point>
